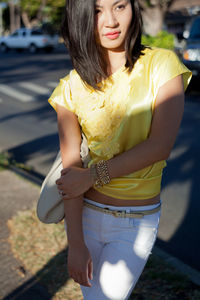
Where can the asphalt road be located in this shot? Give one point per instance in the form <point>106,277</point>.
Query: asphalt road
<point>28,130</point>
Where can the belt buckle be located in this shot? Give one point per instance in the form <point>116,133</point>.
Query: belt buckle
<point>119,214</point>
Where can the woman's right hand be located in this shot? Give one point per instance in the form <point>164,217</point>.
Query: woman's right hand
<point>80,266</point>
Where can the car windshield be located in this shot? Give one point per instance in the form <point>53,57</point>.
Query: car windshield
<point>195,29</point>
<point>15,33</point>
<point>36,32</point>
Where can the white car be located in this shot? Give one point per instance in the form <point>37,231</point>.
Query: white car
<point>31,39</point>
<point>191,53</point>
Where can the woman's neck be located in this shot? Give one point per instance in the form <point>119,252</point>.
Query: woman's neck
<point>114,61</point>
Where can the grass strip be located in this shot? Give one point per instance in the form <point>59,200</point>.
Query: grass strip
<point>42,249</point>
<point>4,160</point>
<point>7,161</point>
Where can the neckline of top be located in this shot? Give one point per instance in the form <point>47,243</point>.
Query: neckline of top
<point>122,68</point>
<point>116,73</point>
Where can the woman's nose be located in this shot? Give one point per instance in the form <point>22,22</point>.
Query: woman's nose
<point>110,20</point>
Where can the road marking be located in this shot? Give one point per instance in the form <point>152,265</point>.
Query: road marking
<point>52,84</point>
<point>9,91</point>
<point>34,88</point>
<point>1,100</point>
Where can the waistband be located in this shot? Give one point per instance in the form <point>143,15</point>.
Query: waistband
<point>124,211</point>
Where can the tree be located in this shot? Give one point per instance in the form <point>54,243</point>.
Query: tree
<point>34,12</point>
<point>153,13</point>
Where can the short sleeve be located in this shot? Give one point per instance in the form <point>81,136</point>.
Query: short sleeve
<point>166,66</point>
<point>62,95</point>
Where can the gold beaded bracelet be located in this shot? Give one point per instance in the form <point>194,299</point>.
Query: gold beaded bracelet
<point>94,175</point>
<point>100,174</point>
<point>102,171</point>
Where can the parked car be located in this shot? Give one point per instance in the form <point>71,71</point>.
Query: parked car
<point>31,39</point>
<point>191,53</point>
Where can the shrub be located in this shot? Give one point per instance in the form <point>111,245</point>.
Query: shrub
<point>162,40</point>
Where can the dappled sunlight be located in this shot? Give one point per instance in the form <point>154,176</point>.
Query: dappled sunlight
<point>111,281</point>
<point>144,240</point>
<point>176,209</point>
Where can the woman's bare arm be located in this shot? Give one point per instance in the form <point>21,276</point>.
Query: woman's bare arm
<point>79,260</point>
<point>70,140</point>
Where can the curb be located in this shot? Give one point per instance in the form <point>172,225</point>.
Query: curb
<point>183,268</point>
<point>32,176</point>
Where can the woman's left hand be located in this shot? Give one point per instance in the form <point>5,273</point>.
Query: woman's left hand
<point>74,181</point>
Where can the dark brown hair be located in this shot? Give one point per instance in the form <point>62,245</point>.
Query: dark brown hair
<point>78,33</point>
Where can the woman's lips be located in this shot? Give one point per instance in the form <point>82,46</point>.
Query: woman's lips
<point>112,35</point>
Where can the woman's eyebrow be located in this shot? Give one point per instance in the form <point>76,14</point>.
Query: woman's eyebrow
<point>116,2</point>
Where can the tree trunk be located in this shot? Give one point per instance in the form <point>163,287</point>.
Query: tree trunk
<point>25,19</point>
<point>40,14</point>
<point>153,20</point>
<point>12,16</point>
<point>153,13</point>
<point>17,17</point>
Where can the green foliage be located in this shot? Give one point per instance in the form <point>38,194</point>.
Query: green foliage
<point>32,6</point>
<point>162,40</point>
<point>4,161</point>
<point>51,10</point>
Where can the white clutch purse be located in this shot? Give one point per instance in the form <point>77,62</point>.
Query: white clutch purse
<point>50,207</point>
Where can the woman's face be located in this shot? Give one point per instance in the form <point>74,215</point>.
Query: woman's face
<point>113,19</point>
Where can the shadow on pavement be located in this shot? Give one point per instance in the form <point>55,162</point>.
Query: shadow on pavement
<point>184,169</point>
<point>42,113</point>
<point>36,148</point>
<point>34,288</point>
<point>17,67</point>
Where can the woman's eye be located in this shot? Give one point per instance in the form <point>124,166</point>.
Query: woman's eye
<point>120,7</point>
<point>97,11</point>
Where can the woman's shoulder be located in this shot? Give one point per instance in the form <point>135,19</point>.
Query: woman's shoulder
<point>163,65</point>
<point>159,60</point>
<point>68,76</point>
<point>157,54</point>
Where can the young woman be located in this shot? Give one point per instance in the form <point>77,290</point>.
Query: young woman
<point>128,100</point>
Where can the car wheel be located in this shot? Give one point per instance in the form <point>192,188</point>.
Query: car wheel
<point>32,48</point>
<point>19,50</point>
<point>48,49</point>
<point>3,48</point>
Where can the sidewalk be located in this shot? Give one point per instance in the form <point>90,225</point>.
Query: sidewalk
<point>20,194</point>
<point>16,194</point>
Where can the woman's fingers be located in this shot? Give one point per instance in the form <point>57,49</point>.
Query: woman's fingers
<point>85,279</point>
<point>65,171</point>
<point>90,270</point>
<point>59,181</point>
<point>81,278</point>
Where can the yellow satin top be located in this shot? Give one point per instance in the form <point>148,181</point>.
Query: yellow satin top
<point>119,118</point>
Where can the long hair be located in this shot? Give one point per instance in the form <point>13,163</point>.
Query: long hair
<point>78,31</point>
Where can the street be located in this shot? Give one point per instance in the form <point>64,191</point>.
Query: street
<point>28,130</point>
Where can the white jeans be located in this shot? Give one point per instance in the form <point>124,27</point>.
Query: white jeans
<point>119,248</point>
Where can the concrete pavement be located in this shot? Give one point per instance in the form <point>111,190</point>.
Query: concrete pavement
<point>16,194</point>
